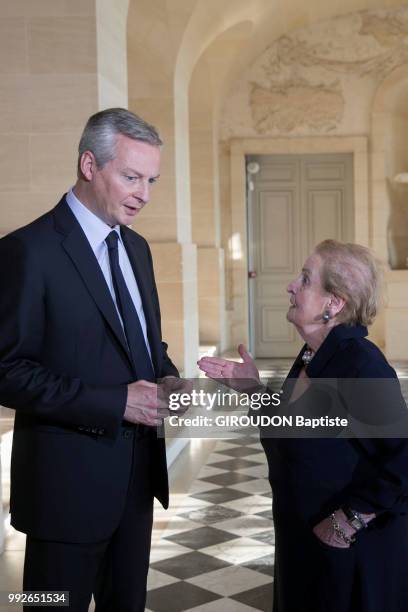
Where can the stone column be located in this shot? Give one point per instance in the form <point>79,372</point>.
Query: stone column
<point>166,221</point>
<point>205,206</point>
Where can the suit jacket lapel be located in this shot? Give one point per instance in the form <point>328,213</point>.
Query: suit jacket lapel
<point>79,250</point>
<point>330,344</point>
<point>137,255</point>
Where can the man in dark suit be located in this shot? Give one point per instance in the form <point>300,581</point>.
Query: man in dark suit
<point>80,358</point>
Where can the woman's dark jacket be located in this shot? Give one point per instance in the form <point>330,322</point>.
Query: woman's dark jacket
<point>313,476</point>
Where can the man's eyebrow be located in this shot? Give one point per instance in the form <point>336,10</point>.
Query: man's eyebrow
<point>131,171</point>
<point>306,270</point>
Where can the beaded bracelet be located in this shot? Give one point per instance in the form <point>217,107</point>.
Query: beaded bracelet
<point>340,531</point>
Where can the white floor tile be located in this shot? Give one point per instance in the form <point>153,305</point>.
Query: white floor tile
<point>214,458</point>
<point>259,457</point>
<point>210,470</point>
<point>222,445</point>
<point>11,570</point>
<point>240,550</point>
<point>14,540</point>
<point>178,524</point>
<point>191,503</point>
<point>245,526</point>
<point>224,605</point>
<point>255,487</point>
<point>230,580</point>
<point>164,549</point>
<point>256,445</point>
<point>199,486</point>
<point>250,505</point>
<point>156,579</point>
<point>258,471</point>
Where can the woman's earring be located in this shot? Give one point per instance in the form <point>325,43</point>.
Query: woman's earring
<point>326,316</point>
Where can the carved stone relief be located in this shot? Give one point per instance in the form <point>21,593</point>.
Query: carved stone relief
<point>319,79</point>
<point>282,105</point>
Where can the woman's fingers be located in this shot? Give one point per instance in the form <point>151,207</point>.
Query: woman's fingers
<point>213,361</point>
<point>216,368</point>
<point>215,372</point>
<point>245,356</point>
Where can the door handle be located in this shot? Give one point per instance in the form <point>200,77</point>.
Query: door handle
<point>252,274</point>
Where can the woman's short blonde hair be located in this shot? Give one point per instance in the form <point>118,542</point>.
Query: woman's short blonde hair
<point>351,272</point>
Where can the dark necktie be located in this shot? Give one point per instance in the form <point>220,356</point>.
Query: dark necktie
<point>133,330</point>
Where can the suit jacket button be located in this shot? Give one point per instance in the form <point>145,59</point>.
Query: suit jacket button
<point>127,433</point>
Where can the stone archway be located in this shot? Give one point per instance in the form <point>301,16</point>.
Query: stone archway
<point>165,47</point>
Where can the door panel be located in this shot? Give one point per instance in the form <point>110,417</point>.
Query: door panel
<point>324,210</point>
<point>324,171</point>
<point>276,218</point>
<point>297,201</point>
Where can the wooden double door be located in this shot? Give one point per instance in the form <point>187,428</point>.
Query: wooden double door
<point>294,202</point>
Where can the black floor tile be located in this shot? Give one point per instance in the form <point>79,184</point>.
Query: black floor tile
<point>211,514</point>
<point>228,479</point>
<point>238,451</point>
<point>268,537</point>
<point>220,496</point>
<point>237,463</point>
<point>259,598</point>
<point>177,597</point>
<point>244,440</point>
<point>266,514</point>
<point>189,565</point>
<point>264,565</point>
<point>201,537</point>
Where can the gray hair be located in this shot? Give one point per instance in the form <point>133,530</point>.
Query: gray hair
<point>101,130</point>
<point>351,272</point>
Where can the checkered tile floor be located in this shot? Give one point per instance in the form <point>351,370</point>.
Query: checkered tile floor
<point>217,553</point>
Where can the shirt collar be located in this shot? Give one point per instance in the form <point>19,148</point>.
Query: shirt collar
<point>94,228</point>
<point>330,344</point>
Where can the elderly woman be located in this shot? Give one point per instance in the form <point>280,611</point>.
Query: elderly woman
<point>339,504</point>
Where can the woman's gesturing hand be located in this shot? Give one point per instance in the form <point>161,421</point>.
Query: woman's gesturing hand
<point>237,375</point>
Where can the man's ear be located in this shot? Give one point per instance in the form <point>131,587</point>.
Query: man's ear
<point>87,165</point>
<point>336,305</point>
